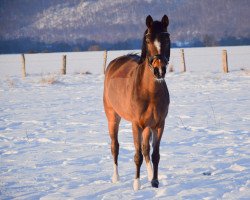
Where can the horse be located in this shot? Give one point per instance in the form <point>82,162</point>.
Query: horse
<point>135,90</point>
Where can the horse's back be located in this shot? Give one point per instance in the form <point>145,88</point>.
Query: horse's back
<point>122,67</point>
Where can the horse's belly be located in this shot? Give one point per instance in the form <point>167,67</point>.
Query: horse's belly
<point>119,96</point>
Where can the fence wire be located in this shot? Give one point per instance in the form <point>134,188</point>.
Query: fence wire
<point>94,61</point>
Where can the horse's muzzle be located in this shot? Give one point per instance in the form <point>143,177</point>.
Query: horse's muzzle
<point>160,72</point>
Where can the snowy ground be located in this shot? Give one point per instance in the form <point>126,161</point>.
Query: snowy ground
<point>54,142</point>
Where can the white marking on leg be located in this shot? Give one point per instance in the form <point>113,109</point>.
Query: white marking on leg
<point>137,184</point>
<point>157,45</point>
<point>115,177</point>
<point>150,171</point>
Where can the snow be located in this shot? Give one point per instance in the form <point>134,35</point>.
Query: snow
<point>54,141</point>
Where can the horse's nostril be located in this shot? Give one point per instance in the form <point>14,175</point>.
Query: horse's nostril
<point>159,72</point>
<point>156,72</point>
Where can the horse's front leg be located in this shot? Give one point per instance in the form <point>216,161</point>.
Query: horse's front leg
<point>157,134</point>
<point>146,134</point>
<point>138,158</point>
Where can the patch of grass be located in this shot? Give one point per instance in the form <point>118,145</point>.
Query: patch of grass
<point>83,73</point>
<point>49,79</point>
<point>10,82</point>
<point>246,71</point>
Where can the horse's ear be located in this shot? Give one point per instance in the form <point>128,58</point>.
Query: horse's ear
<point>143,49</point>
<point>165,21</point>
<point>149,21</point>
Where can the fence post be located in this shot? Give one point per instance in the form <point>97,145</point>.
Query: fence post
<point>171,68</point>
<point>23,66</point>
<point>105,55</point>
<point>224,61</point>
<point>63,70</point>
<point>183,61</point>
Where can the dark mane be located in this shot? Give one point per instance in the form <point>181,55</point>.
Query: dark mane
<point>134,56</point>
<point>144,48</point>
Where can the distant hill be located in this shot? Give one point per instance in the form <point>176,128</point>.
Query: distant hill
<point>62,25</point>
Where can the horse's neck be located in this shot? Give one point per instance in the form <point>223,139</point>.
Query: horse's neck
<point>146,80</point>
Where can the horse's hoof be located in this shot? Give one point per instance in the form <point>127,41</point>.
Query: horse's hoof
<point>137,184</point>
<point>155,183</point>
<point>115,178</point>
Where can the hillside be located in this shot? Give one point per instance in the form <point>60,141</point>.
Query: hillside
<point>83,23</point>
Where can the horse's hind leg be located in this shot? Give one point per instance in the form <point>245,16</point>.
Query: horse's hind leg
<point>113,124</point>
<point>146,150</point>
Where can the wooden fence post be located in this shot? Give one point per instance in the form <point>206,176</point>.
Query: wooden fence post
<point>63,70</point>
<point>23,66</point>
<point>105,55</point>
<point>183,61</point>
<point>171,68</point>
<point>224,61</point>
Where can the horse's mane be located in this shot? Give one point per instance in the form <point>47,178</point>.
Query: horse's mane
<point>144,48</point>
<point>134,56</point>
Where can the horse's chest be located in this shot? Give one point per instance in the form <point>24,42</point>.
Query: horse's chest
<point>153,113</point>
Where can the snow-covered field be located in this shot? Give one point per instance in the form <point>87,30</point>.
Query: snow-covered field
<point>54,142</point>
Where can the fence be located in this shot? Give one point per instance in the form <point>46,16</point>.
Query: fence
<point>211,59</point>
<point>181,60</point>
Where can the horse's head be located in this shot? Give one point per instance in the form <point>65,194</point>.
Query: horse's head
<point>156,46</point>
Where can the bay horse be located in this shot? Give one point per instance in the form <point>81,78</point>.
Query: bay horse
<point>135,89</point>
